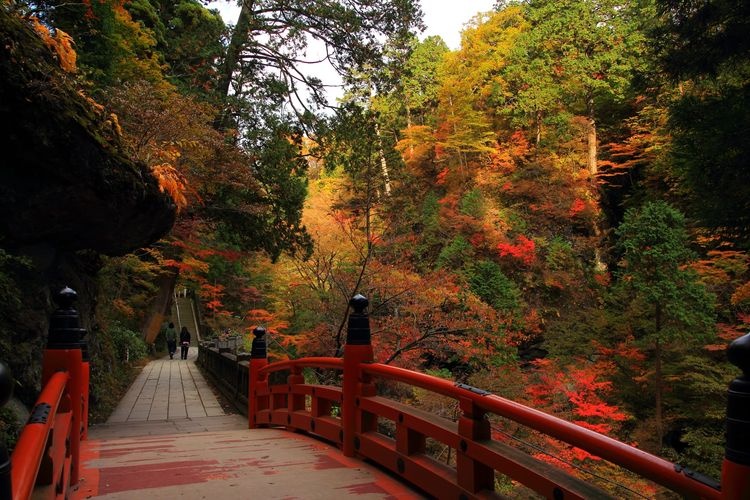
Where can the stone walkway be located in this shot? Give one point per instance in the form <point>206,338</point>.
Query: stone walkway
<point>169,438</point>
<point>168,389</point>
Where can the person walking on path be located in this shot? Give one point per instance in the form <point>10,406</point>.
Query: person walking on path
<point>171,334</point>
<point>184,342</point>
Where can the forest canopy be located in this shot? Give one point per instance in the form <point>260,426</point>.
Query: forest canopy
<point>557,211</point>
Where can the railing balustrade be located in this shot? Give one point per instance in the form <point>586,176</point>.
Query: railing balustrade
<point>45,462</point>
<point>349,417</point>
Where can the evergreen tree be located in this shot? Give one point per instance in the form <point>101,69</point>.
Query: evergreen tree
<point>664,299</point>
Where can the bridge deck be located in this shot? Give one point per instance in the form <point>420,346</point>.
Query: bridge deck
<point>169,438</point>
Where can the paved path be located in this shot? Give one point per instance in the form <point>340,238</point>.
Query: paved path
<point>168,389</point>
<point>169,438</point>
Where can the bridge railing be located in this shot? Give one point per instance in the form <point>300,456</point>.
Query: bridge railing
<point>229,371</point>
<point>46,459</point>
<point>349,416</point>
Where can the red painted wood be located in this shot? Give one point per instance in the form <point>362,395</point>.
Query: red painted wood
<point>85,382</point>
<point>257,383</point>
<point>355,356</point>
<point>360,411</point>
<point>31,446</point>
<point>71,361</point>
<point>735,481</point>
<point>646,465</point>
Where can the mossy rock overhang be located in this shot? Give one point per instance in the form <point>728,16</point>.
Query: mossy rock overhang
<point>65,180</point>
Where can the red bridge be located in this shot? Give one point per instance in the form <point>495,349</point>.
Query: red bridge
<point>318,441</point>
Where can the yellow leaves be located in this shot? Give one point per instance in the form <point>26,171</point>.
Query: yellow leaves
<point>171,182</point>
<point>114,124</point>
<point>417,147</point>
<point>97,107</point>
<point>65,52</point>
<point>60,43</point>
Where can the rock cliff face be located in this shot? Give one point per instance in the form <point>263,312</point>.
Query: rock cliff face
<point>64,180</point>
<point>68,192</point>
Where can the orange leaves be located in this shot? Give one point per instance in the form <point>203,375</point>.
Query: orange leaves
<point>60,43</point>
<point>504,159</point>
<point>576,207</point>
<point>171,182</point>
<point>188,265</point>
<point>259,316</point>
<point>603,278</point>
<point>727,333</point>
<point>211,296</point>
<point>440,179</point>
<point>741,295</point>
<point>270,321</point>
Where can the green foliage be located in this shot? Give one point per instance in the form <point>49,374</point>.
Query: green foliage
<point>472,203</point>
<point>431,211</point>
<point>10,428</point>
<point>111,47</point>
<point>421,84</point>
<point>10,268</point>
<point>702,38</point>
<point>704,46</point>
<point>655,249</point>
<point>188,38</point>
<point>127,288</point>
<point>697,399</point>
<point>560,255</point>
<point>16,349</point>
<point>115,353</point>
<point>488,282</point>
<point>11,271</point>
<point>710,152</point>
<point>455,254</point>
<point>274,223</point>
<point>128,345</point>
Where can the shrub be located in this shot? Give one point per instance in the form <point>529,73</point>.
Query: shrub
<point>488,282</point>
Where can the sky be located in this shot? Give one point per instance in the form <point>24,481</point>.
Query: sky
<point>441,17</point>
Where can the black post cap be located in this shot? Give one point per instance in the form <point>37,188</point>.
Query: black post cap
<point>358,328</point>
<point>65,330</point>
<point>738,404</point>
<point>738,354</point>
<point>258,350</point>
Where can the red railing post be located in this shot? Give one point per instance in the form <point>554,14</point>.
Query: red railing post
<point>63,353</point>
<point>256,380</point>
<point>735,471</point>
<point>358,350</point>
<point>295,402</point>
<point>473,475</point>
<point>85,382</point>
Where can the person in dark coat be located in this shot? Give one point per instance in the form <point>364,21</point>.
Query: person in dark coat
<point>171,334</point>
<point>184,342</point>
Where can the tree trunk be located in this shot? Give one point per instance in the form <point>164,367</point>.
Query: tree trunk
<point>538,121</point>
<point>383,162</point>
<point>593,170</point>
<point>408,127</point>
<point>232,57</point>
<point>159,307</point>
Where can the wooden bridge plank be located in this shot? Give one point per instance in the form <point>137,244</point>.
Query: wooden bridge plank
<point>258,463</point>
